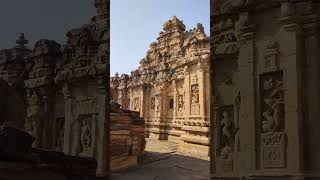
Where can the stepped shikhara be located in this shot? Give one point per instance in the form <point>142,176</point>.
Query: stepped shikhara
<point>170,89</point>
<point>66,96</point>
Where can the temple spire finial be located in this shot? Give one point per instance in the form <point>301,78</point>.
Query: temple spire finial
<point>21,41</point>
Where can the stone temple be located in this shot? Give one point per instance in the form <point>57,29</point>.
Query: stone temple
<point>171,88</point>
<point>60,96</point>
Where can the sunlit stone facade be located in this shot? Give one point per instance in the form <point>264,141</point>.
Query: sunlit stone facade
<point>170,89</point>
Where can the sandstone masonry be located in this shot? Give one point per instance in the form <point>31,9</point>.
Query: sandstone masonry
<point>170,89</point>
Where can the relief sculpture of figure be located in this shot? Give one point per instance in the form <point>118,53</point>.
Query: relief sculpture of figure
<point>226,123</point>
<point>268,123</point>
<point>136,105</point>
<point>180,103</point>
<point>60,134</point>
<point>158,104</point>
<point>85,138</point>
<point>273,113</point>
<point>195,94</point>
<point>278,103</point>
<point>153,103</point>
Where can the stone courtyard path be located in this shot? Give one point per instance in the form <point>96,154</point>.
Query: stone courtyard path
<point>163,162</point>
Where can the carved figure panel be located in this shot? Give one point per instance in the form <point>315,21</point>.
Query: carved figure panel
<point>194,94</point>
<point>59,134</point>
<point>272,120</point>
<point>226,136</point>
<point>227,127</point>
<point>158,105</point>
<point>195,106</point>
<point>153,103</point>
<point>86,138</point>
<point>136,104</point>
<point>33,121</point>
<point>180,105</point>
<point>272,102</point>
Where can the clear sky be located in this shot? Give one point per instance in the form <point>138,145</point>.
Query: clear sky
<point>136,23</point>
<point>49,19</point>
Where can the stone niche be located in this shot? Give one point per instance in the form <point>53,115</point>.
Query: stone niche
<point>265,91</point>
<point>171,84</point>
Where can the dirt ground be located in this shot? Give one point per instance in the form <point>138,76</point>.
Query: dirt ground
<point>162,162</point>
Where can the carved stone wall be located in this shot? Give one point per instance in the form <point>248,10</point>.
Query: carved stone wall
<point>64,88</point>
<point>169,87</point>
<point>264,67</point>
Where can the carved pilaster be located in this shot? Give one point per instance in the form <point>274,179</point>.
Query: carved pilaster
<point>247,84</point>
<point>308,110</point>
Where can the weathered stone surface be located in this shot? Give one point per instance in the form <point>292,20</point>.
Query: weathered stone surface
<point>127,136</point>
<point>63,90</point>
<point>169,88</point>
<point>265,92</point>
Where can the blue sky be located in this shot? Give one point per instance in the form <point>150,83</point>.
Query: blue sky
<point>136,23</point>
<point>49,19</point>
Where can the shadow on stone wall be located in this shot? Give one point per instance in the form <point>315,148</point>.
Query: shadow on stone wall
<point>12,106</point>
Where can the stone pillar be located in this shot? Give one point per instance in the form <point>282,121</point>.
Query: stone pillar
<point>247,89</point>
<point>68,118</point>
<point>142,102</point>
<point>187,103</point>
<point>312,94</point>
<point>103,141</point>
<point>164,103</point>
<point>202,84</point>
<point>48,121</point>
<point>291,54</point>
<point>175,100</point>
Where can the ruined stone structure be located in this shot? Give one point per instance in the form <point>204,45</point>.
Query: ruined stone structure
<point>265,65</point>
<point>63,91</point>
<point>127,137</point>
<point>170,88</point>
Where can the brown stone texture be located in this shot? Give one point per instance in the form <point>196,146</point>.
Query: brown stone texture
<point>265,65</point>
<point>169,88</point>
<point>61,91</point>
<point>127,138</point>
